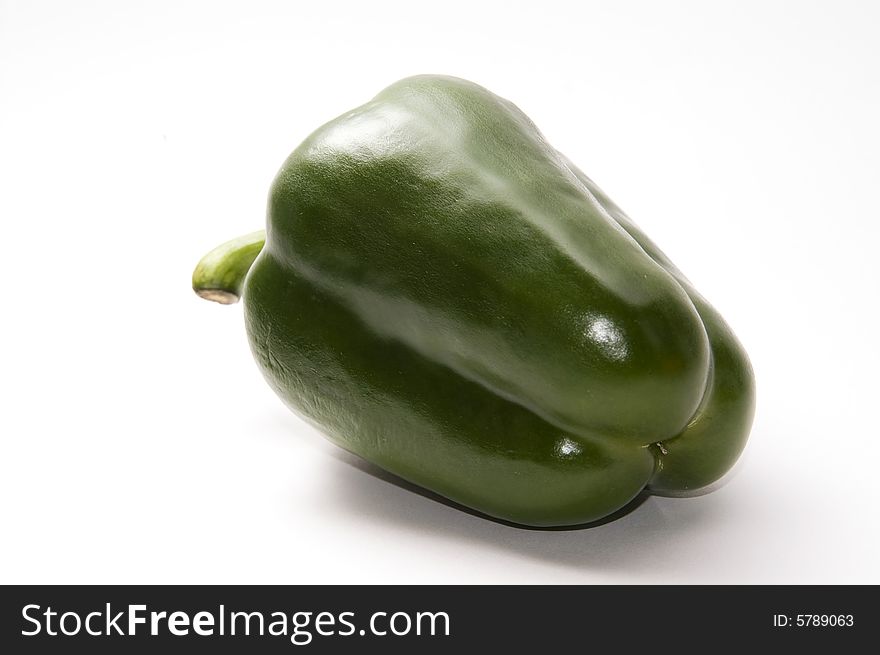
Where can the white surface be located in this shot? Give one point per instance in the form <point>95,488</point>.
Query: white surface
<point>140,443</point>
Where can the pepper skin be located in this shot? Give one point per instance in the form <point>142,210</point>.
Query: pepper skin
<point>447,296</point>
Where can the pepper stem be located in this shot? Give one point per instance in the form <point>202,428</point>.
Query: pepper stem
<point>220,275</point>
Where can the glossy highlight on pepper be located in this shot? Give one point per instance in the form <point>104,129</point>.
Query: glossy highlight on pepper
<point>449,297</point>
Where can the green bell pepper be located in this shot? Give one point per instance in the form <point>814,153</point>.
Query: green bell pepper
<point>447,296</point>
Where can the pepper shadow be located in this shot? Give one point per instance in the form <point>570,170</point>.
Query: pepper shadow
<point>636,539</point>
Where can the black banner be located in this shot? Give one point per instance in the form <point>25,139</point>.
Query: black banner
<point>113,619</point>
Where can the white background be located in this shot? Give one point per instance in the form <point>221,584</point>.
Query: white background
<point>140,443</point>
